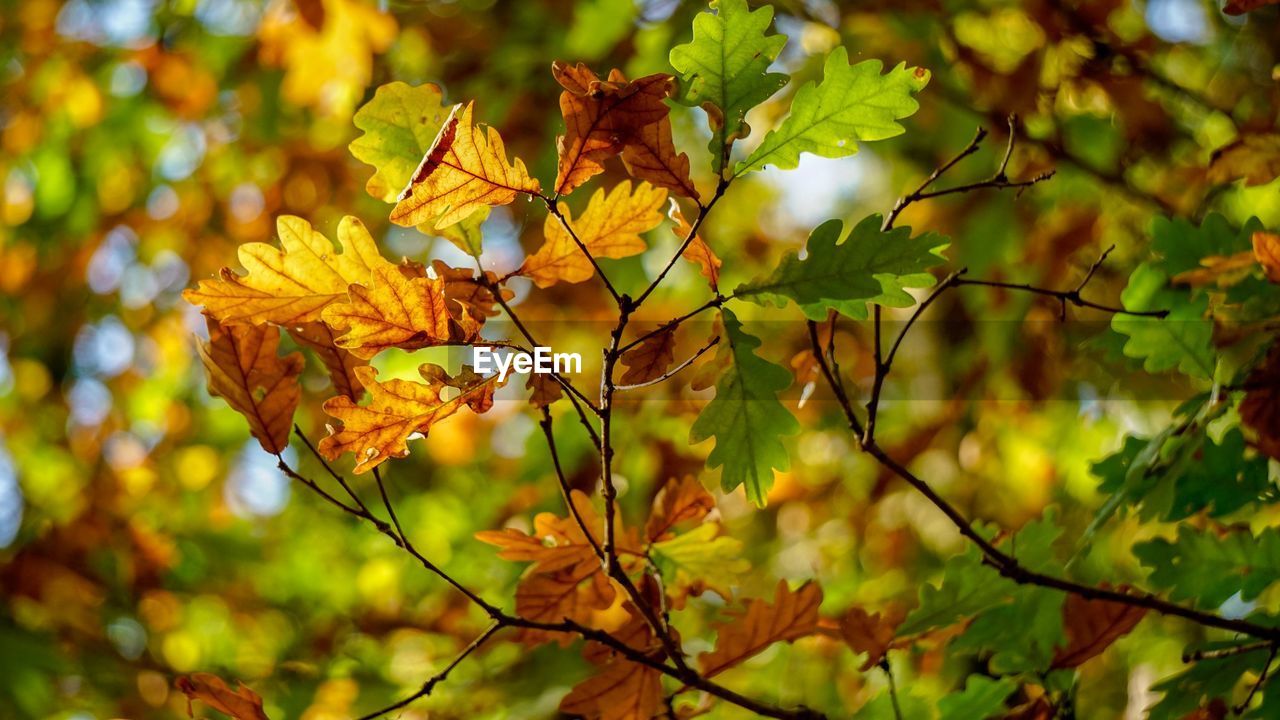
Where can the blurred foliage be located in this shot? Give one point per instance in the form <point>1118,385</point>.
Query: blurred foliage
<point>145,535</point>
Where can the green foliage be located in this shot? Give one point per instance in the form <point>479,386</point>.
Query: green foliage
<point>1204,681</point>
<point>968,587</point>
<point>1182,341</point>
<point>852,103</point>
<point>726,67</point>
<point>982,697</point>
<point>870,266</point>
<point>1207,568</point>
<point>745,417</point>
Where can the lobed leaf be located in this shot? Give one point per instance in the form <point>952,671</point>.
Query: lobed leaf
<point>242,367</point>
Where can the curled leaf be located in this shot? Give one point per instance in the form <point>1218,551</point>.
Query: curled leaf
<point>243,368</point>
<point>241,703</point>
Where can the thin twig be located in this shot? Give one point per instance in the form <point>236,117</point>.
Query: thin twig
<point>1262,678</point>
<point>1219,653</point>
<point>893,688</point>
<point>554,209</point>
<point>439,677</point>
<point>703,211</point>
<point>715,302</point>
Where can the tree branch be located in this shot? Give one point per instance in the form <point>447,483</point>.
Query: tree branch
<point>564,222</point>
<point>670,373</point>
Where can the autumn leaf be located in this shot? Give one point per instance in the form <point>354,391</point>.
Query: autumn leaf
<point>1091,626</point>
<point>1218,270</point>
<point>870,633</point>
<point>243,368</point>
<point>544,389</point>
<point>1260,408</point>
<point>650,359</point>
<point>792,615</point>
<point>391,311</point>
<point>399,124</point>
<point>1266,248</point>
<point>611,227</point>
<point>339,363</point>
<point>397,409</point>
<point>622,690</point>
<point>1253,157</point>
<point>699,560</point>
<point>291,285</point>
<point>464,170</point>
<point>602,117</point>
<point>698,251</point>
<point>556,543</point>
<point>679,501</point>
<point>650,154</point>
<point>241,703</point>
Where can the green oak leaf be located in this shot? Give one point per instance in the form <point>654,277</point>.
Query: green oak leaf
<point>725,69</point>
<point>1207,568</point>
<point>699,555</point>
<point>1207,679</point>
<point>982,698</point>
<point>968,587</point>
<point>1223,478</point>
<point>852,103</point>
<point>745,417</point>
<point>1182,245</point>
<point>465,234</point>
<point>870,266</point>
<point>885,707</point>
<point>399,124</point>
<point>1183,340</point>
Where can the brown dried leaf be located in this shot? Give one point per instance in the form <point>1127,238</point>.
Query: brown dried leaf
<point>1219,270</point>
<point>465,169</point>
<point>241,704</point>
<point>651,155</point>
<point>1256,158</point>
<point>1266,248</point>
<point>623,690</point>
<point>545,389</point>
<point>679,501</point>
<point>870,633</point>
<point>650,359</point>
<point>340,364</point>
<point>792,615</point>
<point>698,251</point>
<point>243,368</point>
<point>602,117</point>
<point>1091,626</point>
<point>1260,409</point>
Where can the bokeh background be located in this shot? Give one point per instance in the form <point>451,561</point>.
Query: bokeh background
<point>143,534</point>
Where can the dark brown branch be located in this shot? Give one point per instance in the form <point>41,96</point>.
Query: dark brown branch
<point>564,222</point>
<point>1219,653</point>
<point>715,302</point>
<point>1257,685</point>
<point>703,211</point>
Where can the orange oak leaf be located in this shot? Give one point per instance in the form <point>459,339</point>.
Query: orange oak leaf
<point>243,368</point>
<point>610,227</point>
<point>651,155</point>
<point>340,364</point>
<point>577,594</point>
<point>1254,157</point>
<point>1219,270</point>
<point>293,284</point>
<point>622,690</point>
<point>391,311</point>
<point>650,359</point>
<point>544,389</point>
<point>1266,248</point>
<point>679,501</point>
<point>556,543</point>
<point>398,409</point>
<point>1260,408</point>
<point>698,251</point>
<point>602,117</point>
<point>1240,7</point>
<point>870,633</point>
<point>793,615</point>
<point>241,703</point>
<point>1091,626</point>
<point>464,170</point>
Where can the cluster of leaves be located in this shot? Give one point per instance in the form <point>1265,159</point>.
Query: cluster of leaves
<point>816,557</point>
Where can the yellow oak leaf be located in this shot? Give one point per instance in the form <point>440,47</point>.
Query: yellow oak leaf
<point>340,364</point>
<point>792,615</point>
<point>396,410</point>
<point>391,311</point>
<point>293,284</point>
<point>602,117</point>
<point>241,703</point>
<point>650,359</point>
<point>465,169</point>
<point>651,155</point>
<point>610,227</point>
<point>697,251</point>
<point>243,368</point>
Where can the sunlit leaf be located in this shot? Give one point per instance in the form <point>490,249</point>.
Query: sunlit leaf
<point>243,368</point>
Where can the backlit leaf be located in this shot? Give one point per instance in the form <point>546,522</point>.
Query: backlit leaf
<point>650,359</point>
<point>399,124</point>
<point>243,368</point>
<point>1091,626</point>
<point>793,614</point>
<point>650,154</point>
<point>391,311</point>
<point>745,417</point>
<point>853,103</point>
<point>464,170</point>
